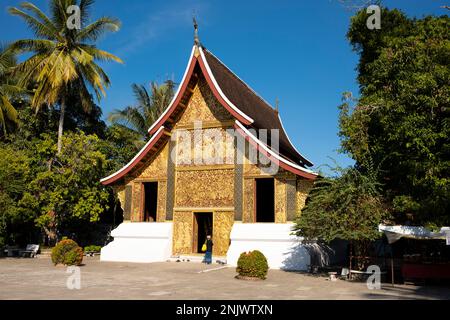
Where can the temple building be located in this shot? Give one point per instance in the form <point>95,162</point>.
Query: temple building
<point>218,162</point>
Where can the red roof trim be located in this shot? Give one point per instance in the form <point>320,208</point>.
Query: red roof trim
<point>283,164</point>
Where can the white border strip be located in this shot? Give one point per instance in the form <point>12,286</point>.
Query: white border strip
<point>177,93</point>
<point>211,75</point>
<point>135,157</point>
<point>293,146</point>
<point>268,150</point>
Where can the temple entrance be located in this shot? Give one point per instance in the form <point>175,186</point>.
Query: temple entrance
<point>150,201</point>
<point>265,200</point>
<point>203,226</point>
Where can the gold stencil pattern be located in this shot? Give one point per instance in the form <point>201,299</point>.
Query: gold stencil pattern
<point>248,208</point>
<point>161,206</point>
<point>223,222</point>
<point>303,188</point>
<point>280,201</point>
<point>203,106</point>
<point>183,224</point>
<point>204,188</point>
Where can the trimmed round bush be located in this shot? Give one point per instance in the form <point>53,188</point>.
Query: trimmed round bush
<point>67,252</point>
<point>252,264</point>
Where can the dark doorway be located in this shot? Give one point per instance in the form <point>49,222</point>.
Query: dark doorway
<point>265,200</point>
<point>150,201</point>
<point>203,226</point>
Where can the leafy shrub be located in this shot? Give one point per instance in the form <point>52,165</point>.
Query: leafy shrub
<point>67,252</point>
<point>74,257</point>
<point>92,248</point>
<point>252,264</point>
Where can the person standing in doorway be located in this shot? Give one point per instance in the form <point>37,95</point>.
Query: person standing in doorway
<point>208,252</point>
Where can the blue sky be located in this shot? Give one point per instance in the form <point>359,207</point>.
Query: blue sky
<point>295,51</point>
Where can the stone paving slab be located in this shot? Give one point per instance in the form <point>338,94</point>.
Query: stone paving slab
<point>39,279</point>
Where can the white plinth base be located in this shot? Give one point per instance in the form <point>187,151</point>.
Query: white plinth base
<point>282,250</point>
<point>139,242</point>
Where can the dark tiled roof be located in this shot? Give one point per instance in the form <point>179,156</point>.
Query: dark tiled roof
<point>244,98</point>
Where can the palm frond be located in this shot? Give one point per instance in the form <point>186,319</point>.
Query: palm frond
<point>8,109</point>
<point>96,29</point>
<point>38,27</point>
<point>7,58</point>
<point>42,16</point>
<point>58,13</point>
<point>29,69</point>
<point>94,79</point>
<point>85,96</point>
<point>85,6</point>
<point>131,117</point>
<point>33,45</point>
<point>100,55</point>
<point>11,90</point>
<point>142,96</point>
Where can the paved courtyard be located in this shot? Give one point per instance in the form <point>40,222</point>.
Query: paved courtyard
<point>39,279</point>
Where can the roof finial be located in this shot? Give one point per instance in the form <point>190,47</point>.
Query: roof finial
<point>196,39</point>
<point>277,102</point>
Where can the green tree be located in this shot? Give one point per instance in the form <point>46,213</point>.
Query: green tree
<point>14,174</point>
<point>148,108</point>
<point>402,117</point>
<point>347,207</point>
<point>70,194</point>
<point>63,59</point>
<point>58,201</point>
<point>8,88</point>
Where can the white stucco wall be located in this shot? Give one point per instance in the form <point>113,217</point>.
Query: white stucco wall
<point>274,240</point>
<point>139,242</point>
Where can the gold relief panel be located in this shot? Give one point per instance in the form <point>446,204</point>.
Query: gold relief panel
<point>280,200</point>
<point>183,224</point>
<point>161,207</point>
<point>222,225</point>
<point>137,201</point>
<point>213,146</point>
<point>204,188</point>
<point>155,168</point>
<point>203,106</point>
<point>303,188</point>
<point>248,201</point>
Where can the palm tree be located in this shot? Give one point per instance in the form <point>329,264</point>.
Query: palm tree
<point>149,107</point>
<point>8,89</point>
<point>63,59</point>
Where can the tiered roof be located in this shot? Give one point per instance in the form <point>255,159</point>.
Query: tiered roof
<point>247,107</point>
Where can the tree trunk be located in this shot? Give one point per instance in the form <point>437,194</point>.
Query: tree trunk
<point>61,126</point>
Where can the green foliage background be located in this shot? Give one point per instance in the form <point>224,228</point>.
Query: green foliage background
<point>401,119</point>
<point>397,131</point>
